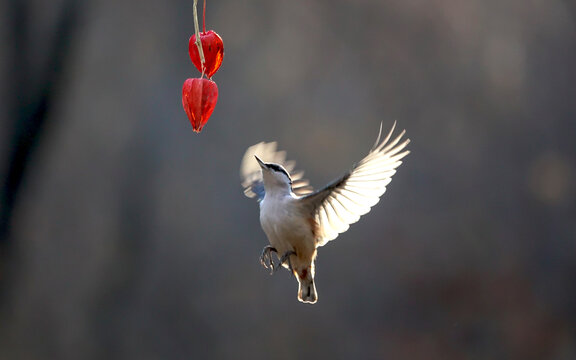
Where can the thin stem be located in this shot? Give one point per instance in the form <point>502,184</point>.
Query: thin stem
<point>204,18</point>
<point>198,42</point>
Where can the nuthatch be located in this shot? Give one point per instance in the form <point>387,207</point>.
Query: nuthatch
<point>298,220</point>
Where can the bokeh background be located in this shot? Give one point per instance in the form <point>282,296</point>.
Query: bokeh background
<point>126,236</point>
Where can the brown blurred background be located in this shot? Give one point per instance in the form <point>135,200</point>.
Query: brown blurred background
<point>125,235</point>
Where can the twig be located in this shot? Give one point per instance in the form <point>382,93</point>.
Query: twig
<point>198,42</point>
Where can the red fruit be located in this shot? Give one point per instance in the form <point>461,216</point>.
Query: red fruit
<point>199,98</point>
<point>213,49</point>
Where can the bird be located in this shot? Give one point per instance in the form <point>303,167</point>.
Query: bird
<point>297,219</point>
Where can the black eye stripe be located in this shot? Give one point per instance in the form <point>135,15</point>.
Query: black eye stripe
<point>278,169</point>
<point>275,167</point>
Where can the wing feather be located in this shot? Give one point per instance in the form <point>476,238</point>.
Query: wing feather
<point>349,203</point>
<point>342,202</point>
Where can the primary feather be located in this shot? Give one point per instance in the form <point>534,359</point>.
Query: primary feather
<point>342,202</point>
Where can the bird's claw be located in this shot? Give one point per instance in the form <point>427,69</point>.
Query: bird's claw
<point>266,258</point>
<point>286,258</point>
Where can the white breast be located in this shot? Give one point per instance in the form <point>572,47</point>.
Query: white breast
<point>284,225</point>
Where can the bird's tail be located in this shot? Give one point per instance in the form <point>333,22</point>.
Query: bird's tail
<point>307,290</point>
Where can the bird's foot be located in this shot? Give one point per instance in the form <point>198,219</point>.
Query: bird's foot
<point>266,258</point>
<point>286,259</point>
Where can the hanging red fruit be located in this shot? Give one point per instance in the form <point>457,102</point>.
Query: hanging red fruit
<point>199,97</point>
<point>213,49</point>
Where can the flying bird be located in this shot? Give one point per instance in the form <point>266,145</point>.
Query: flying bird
<point>298,220</point>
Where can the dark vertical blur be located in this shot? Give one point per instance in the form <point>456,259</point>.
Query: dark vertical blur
<point>124,235</point>
<point>33,83</point>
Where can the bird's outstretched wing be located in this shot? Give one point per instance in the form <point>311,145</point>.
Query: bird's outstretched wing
<point>251,174</point>
<point>344,200</point>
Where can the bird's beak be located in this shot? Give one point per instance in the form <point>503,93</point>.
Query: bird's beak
<point>260,162</point>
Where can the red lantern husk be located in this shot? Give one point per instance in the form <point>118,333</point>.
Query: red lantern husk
<point>213,49</point>
<point>199,97</point>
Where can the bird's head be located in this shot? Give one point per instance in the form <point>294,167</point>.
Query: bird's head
<point>274,175</point>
